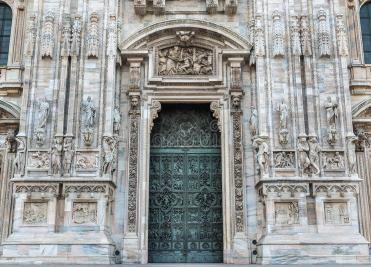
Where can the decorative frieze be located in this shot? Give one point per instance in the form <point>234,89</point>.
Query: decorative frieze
<point>84,213</point>
<point>285,189</point>
<point>93,36</point>
<point>238,162</point>
<point>179,60</point>
<point>324,46</point>
<point>286,213</point>
<point>284,159</point>
<point>211,6</point>
<point>341,36</point>
<point>35,213</point>
<point>88,120</point>
<point>48,35</point>
<point>340,189</point>
<point>80,188</point>
<point>333,160</point>
<point>278,46</point>
<point>36,188</point>
<point>134,119</point>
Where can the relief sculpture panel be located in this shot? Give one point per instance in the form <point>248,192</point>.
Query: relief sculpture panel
<point>35,213</point>
<point>179,60</point>
<point>336,213</point>
<point>286,213</point>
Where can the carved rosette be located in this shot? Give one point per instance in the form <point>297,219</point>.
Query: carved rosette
<point>134,120</point>
<point>237,163</point>
<point>155,109</point>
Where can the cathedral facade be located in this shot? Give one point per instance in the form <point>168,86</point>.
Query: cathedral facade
<point>200,131</point>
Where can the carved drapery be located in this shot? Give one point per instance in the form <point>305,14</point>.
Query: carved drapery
<point>134,120</point>
<point>237,163</point>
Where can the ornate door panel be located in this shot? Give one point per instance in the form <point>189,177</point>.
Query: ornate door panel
<point>185,204</point>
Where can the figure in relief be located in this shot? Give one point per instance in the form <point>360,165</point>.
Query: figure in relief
<point>19,161</point>
<point>351,147</point>
<point>331,116</point>
<point>109,155</point>
<point>185,61</point>
<point>304,161</point>
<point>42,114</point>
<point>284,113</point>
<point>116,120</point>
<point>314,150</point>
<point>56,156</point>
<point>262,155</point>
<point>68,156</point>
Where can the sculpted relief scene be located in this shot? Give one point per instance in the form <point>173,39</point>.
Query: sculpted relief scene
<point>185,131</point>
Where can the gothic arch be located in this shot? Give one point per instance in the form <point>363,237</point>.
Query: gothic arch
<point>361,107</point>
<point>230,39</point>
<point>13,109</point>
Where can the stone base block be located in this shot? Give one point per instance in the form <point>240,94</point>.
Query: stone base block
<point>58,248</point>
<point>313,249</point>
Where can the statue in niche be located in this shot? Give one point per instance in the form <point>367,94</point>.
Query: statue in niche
<point>89,114</point>
<point>331,116</point>
<point>284,113</point>
<point>56,156</point>
<point>109,155</point>
<point>42,114</point>
<point>116,120</point>
<point>314,150</point>
<point>253,122</point>
<point>352,159</point>
<point>20,159</point>
<point>185,61</point>
<point>304,161</point>
<point>68,155</point>
<point>262,155</point>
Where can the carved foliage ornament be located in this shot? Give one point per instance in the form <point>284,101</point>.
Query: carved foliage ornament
<point>35,213</point>
<point>47,37</point>
<point>31,36</point>
<point>179,60</point>
<point>295,36</point>
<point>341,34</point>
<point>66,37</point>
<point>76,36</point>
<point>112,36</point>
<point>259,37</point>
<point>306,42</point>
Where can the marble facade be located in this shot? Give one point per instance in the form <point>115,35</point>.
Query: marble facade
<point>85,83</point>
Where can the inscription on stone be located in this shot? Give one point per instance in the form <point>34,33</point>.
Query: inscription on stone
<point>336,213</point>
<point>35,213</point>
<point>286,213</point>
<point>84,213</point>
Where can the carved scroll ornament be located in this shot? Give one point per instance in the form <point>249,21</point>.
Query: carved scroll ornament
<point>185,61</point>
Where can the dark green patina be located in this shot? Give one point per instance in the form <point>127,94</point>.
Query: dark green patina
<point>185,198</point>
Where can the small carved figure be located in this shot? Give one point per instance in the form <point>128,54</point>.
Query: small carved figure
<point>253,122</point>
<point>56,156</point>
<point>351,147</point>
<point>134,102</point>
<point>68,155</point>
<point>20,159</point>
<point>42,113</point>
<point>314,150</point>
<point>284,160</point>
<point>11,144</point>
<point>236,102</point>
<point>116,120</point>
<point>185,37</point>
<point>109,155</point>
<point>304,161</point>
<point>90,112</point>
<point>284,113</point>
<point>262,155</point>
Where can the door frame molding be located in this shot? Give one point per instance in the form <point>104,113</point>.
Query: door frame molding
<point>236,248</point>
